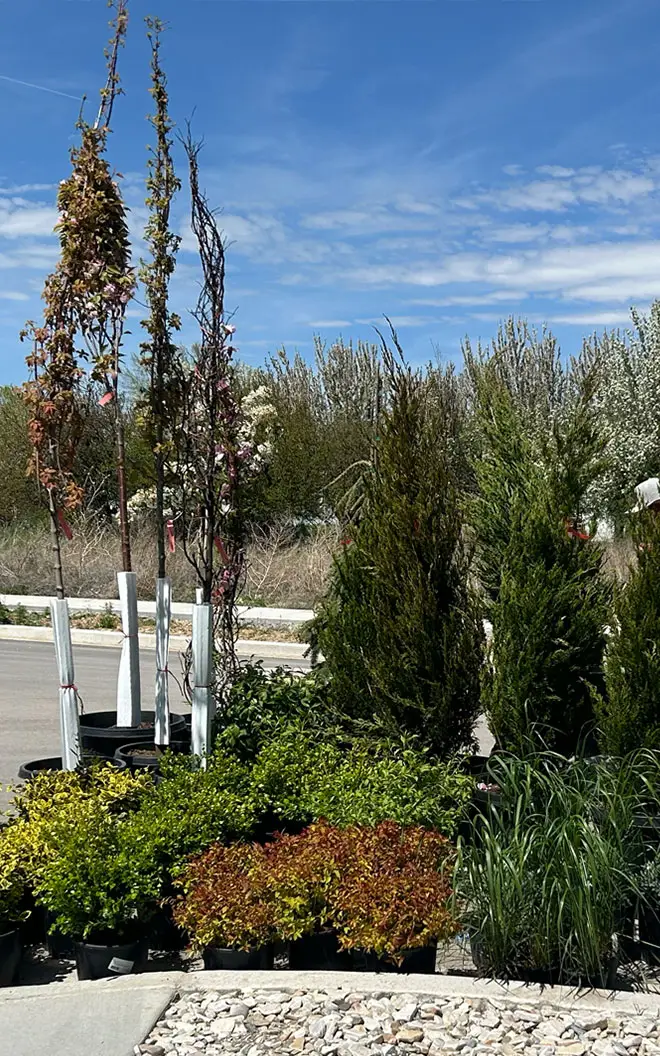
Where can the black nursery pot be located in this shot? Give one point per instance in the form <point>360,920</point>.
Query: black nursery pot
<point>10,957</point>
<point>102,962</point>
<point>100,733</point>
<point>318,952</point>
<point>144,755</point>
<point>415,962</point>
<point>649,934</point>
<point>27,771</point>
<point>226,959</point>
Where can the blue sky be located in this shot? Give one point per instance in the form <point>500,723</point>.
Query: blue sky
<point>445,163</point>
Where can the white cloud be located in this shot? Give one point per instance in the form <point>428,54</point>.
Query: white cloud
<point>325,324</point>
<point>13,295</point>
<point>19,218</point>
<point>27,188</point>
<point>493,297</point>
<point>588,272</point>
<point>587,186</point>
<point>595,318</point>
<point>558,172</point>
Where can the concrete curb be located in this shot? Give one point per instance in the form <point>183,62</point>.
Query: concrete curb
<point>260,616</point>
<point>246,647</point>
<point>444,987</point>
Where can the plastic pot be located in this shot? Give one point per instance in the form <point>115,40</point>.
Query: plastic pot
<point>59,945</point>
<point>231,960</point>
<point>415,962</point>
<point>649,934</point>
<point>99,731</point>
<point>27,771</point>
<point>102,962</point>
<point>10,957</point>
<point>163,934</point>
<point>318,952</point>
<point>144,754</point>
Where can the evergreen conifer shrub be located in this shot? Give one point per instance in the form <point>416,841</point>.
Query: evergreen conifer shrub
<point>546,597</point>
<point>400,628</point>
<point>629,711</point>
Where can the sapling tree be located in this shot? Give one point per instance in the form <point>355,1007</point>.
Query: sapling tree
<point>217,453</point>
<point>159,353</point>
<point>100,282</point>
<point>95,243</point>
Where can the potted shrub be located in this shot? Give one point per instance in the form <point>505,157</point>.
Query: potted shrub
<point>391,905</point>
<point>649,911</point>
<point>303,872</point>
<point>552,875</point>
<point>225,909</point>
<point>12,913</point>
<point>99,893</point>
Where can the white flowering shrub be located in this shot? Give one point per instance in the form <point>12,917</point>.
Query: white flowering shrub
<point>628,407</point>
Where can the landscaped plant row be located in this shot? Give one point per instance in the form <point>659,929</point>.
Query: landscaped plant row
<point>387,854</point>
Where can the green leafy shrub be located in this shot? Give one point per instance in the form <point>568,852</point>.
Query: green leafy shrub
<point>394,891</point>
<point>191,808</point>
<point>547,599</point>
<point>400,629</point>
<point>303,874</point>
<point>224,898</point>
<point>629,709</point>
<point>286,768</point>
<point>94,884</point>
<point>54,796</point>
<point>551,874</point>
<point>372,785</point>
<point>259,704</point>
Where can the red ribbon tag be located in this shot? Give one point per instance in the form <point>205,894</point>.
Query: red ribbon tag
<point>575,533</point>
<point>107,396</point>
<point>170,536</point>
<point>220,547</point>
<point>64,525</point>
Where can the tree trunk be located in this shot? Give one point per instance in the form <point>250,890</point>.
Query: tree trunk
<point>123,502</point>
<point>55,543</point>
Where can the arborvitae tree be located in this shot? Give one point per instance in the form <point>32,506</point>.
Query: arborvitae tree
<point>400,629</point>
<point>629,711</point>
<point>546,597</point>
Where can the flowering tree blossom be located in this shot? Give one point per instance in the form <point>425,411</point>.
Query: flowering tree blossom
<point>221,443</point>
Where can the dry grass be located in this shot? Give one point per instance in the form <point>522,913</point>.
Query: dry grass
<point>282,569</point>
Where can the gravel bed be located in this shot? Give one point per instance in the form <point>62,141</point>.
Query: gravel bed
<point>326,1023</point>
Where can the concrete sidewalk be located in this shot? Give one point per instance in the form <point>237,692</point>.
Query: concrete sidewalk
<point>112,1016</point>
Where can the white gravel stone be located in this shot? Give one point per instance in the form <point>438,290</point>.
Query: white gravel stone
<point>329,1023</point>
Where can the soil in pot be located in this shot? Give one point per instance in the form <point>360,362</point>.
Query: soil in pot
<point>101,962</point>
<point>27,771</point>
<point>231,960</point>
<point>318,952</point>
<point>415,962</point>
<point>99,731</point>
<point>141,755</point>
<point>10,957</point>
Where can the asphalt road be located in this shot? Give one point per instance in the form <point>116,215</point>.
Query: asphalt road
<point>29,719</point>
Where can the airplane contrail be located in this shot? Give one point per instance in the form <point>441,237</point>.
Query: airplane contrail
<point>39,87</point>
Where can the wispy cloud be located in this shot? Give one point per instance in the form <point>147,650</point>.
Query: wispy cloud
<point>13,295</point>
<point>330,324</point>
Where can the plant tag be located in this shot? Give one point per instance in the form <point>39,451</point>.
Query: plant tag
<point>120,966</point>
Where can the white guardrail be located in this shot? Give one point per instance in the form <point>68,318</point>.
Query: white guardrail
<point>259,616</point>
